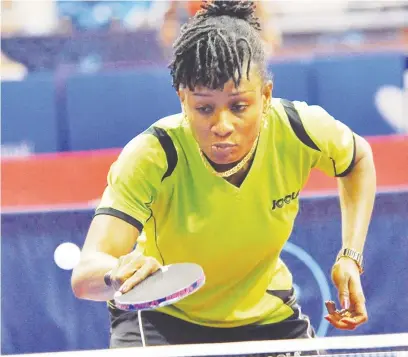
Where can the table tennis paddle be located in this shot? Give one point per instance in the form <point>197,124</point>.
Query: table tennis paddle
<point>165,287</point>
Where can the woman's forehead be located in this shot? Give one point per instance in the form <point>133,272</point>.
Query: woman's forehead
<point>251,84</point>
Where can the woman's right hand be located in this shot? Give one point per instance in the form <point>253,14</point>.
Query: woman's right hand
<point>131,269</point>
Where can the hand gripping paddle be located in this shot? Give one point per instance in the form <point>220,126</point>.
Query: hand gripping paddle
<point>165,287</point>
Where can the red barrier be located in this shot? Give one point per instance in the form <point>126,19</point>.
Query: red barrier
<point>78,179</point>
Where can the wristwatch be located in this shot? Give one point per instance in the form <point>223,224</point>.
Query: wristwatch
<point>354,255</point>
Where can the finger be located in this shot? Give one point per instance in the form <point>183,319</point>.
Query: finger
<point>359,305</point>
<point>356,288</point>
<point>114,277</point>
<point>358,301</point>
<point>357,298</point>
<point>119,278</point>
<point>147,269</point>
<point>336,322</point>
<point>343,291</point>
<point>122,261</point>
<point>356,319</point>
<point>361,318</point>
<point>345,313</point>
<point>126,270</point>
<point>134,260</point>
<point>349,322</point>
<point>127,266</point>
<point>330,306</point>
<point>341,325</point>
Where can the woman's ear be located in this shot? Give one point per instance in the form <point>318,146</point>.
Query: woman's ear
<point>182,96</point>
<point>267,91</point>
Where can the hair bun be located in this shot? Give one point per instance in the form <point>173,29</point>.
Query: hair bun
<point>240,9</point>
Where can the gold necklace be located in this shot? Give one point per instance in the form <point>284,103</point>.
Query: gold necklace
<point>236,168</point>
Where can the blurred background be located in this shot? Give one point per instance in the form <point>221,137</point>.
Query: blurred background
<point>79,79</point>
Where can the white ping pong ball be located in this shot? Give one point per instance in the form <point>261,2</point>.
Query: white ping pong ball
<point>67,255</point>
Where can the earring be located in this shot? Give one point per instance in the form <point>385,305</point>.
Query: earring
<point>183,112</point>
<point>266,111</point>
<point>185,118</point>
<point>267,108</point>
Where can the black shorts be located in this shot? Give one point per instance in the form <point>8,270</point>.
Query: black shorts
<point>156,329</point>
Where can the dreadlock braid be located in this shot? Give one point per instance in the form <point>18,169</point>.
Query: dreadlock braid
<point>216,44</point>
<point>240,9</point>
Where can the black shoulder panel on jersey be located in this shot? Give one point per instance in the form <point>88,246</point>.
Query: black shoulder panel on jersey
<point>297,125</point>
<point>352,163</point>
<point>168,146</point>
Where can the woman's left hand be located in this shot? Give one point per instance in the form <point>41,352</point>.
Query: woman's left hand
<point>346,278</point>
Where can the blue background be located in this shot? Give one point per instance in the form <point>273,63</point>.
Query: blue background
<point>105,109</point>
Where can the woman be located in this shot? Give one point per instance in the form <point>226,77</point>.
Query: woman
<point>218,185</point>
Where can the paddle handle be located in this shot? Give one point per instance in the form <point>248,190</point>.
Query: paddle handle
<point>107,278</point>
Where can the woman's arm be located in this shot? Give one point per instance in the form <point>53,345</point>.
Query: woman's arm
<point>132,182</point>
<point>357,194</point>
<point>108,239</point>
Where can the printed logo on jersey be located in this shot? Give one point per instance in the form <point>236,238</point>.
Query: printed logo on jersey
<point>279,203</point>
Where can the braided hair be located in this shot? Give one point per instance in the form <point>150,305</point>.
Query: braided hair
<point>218,44</point>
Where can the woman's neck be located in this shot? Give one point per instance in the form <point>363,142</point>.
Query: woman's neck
<point>236,167</point>
<point>237,178</point>
<point>222,167</point>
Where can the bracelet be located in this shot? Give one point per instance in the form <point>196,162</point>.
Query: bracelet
<point>354,255</point>
<point>107,278</point>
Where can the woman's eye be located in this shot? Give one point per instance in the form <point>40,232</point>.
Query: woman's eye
<point>239,108</point>
<point>205,109</point>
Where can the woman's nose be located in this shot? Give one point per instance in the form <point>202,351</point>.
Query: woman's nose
<point>223,125</point>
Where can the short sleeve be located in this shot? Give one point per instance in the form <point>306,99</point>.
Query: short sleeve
<point>134,180</point>
<point>333,140</point>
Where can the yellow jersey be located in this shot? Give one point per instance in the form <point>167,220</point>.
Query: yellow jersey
<point>160,185</point>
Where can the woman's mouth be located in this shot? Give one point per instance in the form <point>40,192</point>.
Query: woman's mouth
<point>223,149</point>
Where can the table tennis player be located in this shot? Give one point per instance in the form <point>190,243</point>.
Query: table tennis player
<point>218,185</point>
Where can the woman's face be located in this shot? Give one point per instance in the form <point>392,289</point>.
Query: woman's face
<point>225,123</point>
